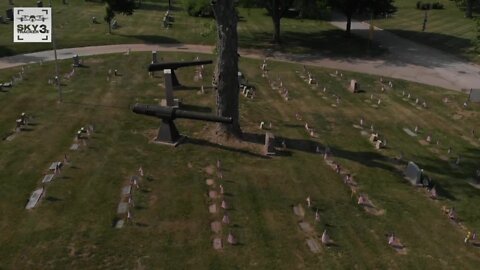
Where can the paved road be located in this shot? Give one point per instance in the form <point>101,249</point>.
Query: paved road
<point>406,60</point>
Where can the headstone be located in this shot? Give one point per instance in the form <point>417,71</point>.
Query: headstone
<point>269,148</point>
<point>210,182</point>
<point>474,95</point>
<point>48,178</point>
<point>413,173</point>
<point>212,194</point>
<point>55,165</point>
<point>74,147</point>
<point>231,239</point>
<point>216,226</point>
<point>213,209</point>
<point>9,14</point>
<point>34,198</point>
<point>354,86</point>
<point>226,219</point>
<point>313,245</point>
<point>154,57</point>
<point>119,224</point>
<point>127,190</point>
<point>299,211</point>
<point>76,60</point>
<point>217,243</point>
<point>305,226</point>
<point>122,208</point>
<point>378,144</point>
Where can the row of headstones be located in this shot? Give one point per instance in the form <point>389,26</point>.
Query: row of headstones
<point>214,195</point>
<point>417,177</point>
<point>307,76</point>
<point>362,199</point>
<point>245,87</point>
<point>16,79</point>
<point>125,206</point>
<point>408,96</point>
<point>307,228</point>
<point>274,84</point>
<point>53,171</point>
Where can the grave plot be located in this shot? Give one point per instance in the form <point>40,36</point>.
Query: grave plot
<point>218,207</point>
<point>128,196</point>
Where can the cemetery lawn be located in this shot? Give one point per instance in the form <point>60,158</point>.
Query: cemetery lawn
<point>74,28</point>
<point>447,29</point>
<point>71,228</point>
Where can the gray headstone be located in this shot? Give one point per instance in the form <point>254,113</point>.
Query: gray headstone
<point>48,178</point>
<point>474,95</point>
<point>217,243</point>
<point>354,86</point>
<point>269,148</point>
<point>54,165</point>
<point>216,226</point>
<point>313,245</point>
<point>119,224</point>
<point>122,208</point>
<point>154,57</point>
<point>213,209</point>
<point>126,190</point>
<point>299,211</point>
<point>34,198</point>
<point>306,227</point>
<point>413,173</point>
<point>74,147</point>
<point>76,60</point>
<point>212,194</point>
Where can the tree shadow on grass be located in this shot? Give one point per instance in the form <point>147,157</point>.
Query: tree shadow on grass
<point>450,44</point>
<point>369,159</point>
<point>331,43</point>
<point>153,39</point>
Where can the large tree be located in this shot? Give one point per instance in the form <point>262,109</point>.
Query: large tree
<point>277,9</point>
<point>117,6</point>
<point>352,7</point>
<point>226,71</point>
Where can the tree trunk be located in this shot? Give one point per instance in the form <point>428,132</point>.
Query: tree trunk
<point>226,71</point>
<point>469,9</point>
<point>276,21</point>
<point>349,23</point>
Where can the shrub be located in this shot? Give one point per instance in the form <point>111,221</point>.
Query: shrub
<point>198,8</point>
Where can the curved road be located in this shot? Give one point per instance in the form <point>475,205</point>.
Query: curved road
<point>406,60</point>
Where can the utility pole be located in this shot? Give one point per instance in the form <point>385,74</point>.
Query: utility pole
<point>57,76</point>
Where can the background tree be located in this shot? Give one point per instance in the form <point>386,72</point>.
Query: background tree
<point>352,7</point>
<point>117,6</point>
<point>226,71</point>
<point>469,8</point>
<point>277,9</point>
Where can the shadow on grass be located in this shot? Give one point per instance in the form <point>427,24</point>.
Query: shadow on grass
<point>202,142</point>
<point>369,159</point>
<point>450,44</point>
<point>332,43</point>
<point>196,108</point>
<point>152,39</point>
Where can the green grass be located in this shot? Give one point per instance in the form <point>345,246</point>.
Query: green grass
<point>73,28</point>
<point>72,227</point>
<point>447,29</point>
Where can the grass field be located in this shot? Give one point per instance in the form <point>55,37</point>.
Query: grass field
<point>447,29</point>
<point>73,28</point>
<point>72,226</point>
